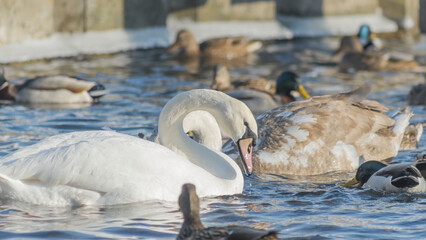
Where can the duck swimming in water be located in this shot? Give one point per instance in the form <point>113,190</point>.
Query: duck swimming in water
<point>225,47</point>
<point>399,177</point>
<point>193,228</point>
<point>59,89</point>
<point>360,52</point>
<point>256,93</point>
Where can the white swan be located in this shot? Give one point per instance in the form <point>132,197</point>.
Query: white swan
<point>103,167</point>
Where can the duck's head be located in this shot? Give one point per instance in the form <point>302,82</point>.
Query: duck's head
<point>366,36</point>
<point>7,90</point>
<point>185,44</point>
<point>364,32</point>
<point>221,78</point>
<point>288,84</point>
<point>364,172</point>
<point>190,205</point>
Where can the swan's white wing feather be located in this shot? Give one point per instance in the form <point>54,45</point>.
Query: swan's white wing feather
<point>121,167</point>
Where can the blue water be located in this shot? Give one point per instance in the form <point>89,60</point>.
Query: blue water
<point>141,82</point>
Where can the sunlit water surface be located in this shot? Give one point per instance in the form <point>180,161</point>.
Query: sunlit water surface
<point>141,82</point>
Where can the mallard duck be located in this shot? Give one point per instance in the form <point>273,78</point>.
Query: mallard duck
<point>193,228</point>
<point>324,134</point>
<point>225,47</point>
<point>58,89</point>
<point>360,53</point>
<point>364,40</point>
<point>417,94</point>
<point>256,93</point>
<point>400,177</point>
<point>411,138</point>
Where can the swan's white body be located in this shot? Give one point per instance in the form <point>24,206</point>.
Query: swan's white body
<point>104,167</point>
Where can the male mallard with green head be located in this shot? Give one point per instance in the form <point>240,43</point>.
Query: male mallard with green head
<point>225,48</point>
<point>360,53</point>
<point>260,95</point>
<point>400,177</point>
<point>192,228</point>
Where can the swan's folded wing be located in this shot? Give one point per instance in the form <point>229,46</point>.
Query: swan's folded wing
<point>90,160</point>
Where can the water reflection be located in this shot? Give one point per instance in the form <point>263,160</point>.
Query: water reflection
<point>141,82</point>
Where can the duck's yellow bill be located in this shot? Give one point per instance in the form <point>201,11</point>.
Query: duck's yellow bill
<point>303,92</point>
<point>350,182</point>
<point>373,36</point>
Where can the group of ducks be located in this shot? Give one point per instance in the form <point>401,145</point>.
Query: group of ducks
<point>306,137</point>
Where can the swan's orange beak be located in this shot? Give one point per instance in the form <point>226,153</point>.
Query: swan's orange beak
<point>245,146</point>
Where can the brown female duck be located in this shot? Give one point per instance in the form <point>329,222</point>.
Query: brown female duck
<point>225,48</point>
<point>192,228</point>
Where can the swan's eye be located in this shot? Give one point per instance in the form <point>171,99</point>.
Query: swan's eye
<point>246,123</point>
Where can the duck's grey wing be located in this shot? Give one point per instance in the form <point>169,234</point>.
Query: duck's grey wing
<point>403,175</point>
<point>58,82</point>
<point>257,101</point>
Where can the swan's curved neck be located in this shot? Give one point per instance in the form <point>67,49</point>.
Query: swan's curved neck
<point>173,136</point>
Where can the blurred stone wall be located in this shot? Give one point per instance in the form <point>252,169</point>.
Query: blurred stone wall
<point>422,17</point>
<point>21,20</point>
<point>33,19</point>
<point>404,12</point>
<point>315,8</point>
